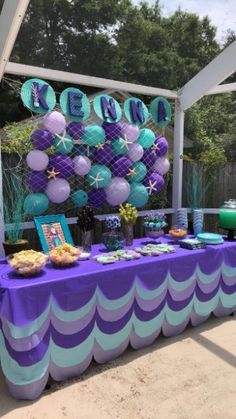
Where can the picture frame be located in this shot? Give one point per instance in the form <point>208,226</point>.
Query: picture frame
<point>53,231</point>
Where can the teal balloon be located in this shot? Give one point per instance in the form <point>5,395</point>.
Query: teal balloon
<point>36,203</point>
<point>93,135</point>
<point>99,176</point>
<point>140,170</point>
<point>138,196</point>
<point>119,147</point>
<point>79,198</point>
<point>146,138</point>
<point>63,146</point>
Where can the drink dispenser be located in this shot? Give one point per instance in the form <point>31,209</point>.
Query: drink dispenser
<point>228,217</point>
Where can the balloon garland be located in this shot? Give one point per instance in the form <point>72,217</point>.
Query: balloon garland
<point>120,162</point>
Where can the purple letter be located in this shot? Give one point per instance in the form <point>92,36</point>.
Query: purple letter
<point>161,112</point>
<point>37,94</point>
<point>136,109</point>
<point>75,104</point>
<point>108,108</point>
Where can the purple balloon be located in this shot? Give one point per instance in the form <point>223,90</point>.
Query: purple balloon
<point>58,190</point>
<point>75,130</point>
<point>112,130</point>
<point>37,160</point>
<point>54,122</point>
<point>117,191</point>
<point>105,155</point>
<point>121,167</point>
<point>96,198</point>
<point>154,183</point>
<point>162,146</point>
<point>161,166</point>
<point>37,181</point>
<point>42,139</point>
<point>132,132</point>
<point>62,164</point>
<point>149,157</point>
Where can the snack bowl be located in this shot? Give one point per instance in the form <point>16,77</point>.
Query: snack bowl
<point>27,262</point>
<point>64,255</point>
<point>178,233</point>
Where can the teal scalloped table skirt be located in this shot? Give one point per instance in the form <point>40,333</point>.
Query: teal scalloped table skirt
<point>56,323</point>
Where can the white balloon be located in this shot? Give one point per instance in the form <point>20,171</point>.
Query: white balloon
<point>161,166</point>
<point>135,152</point>
<point>82,165</point>
<point>117,191</point>
<point>37,160</point>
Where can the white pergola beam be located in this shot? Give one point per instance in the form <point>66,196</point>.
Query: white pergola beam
<point>11,17</point>
<point>178,157</point>
<point>222,88</point>
<point>207,79</point>
<point>73,78</point>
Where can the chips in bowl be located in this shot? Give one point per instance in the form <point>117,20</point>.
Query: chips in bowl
<point>28,262</point>
<point>64,255</point>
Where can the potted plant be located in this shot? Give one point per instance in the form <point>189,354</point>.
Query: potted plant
<point>13,206</point>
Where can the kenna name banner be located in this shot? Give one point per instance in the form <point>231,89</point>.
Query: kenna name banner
<point>38,96</point>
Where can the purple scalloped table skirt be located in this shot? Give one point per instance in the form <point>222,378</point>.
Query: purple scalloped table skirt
<point>57,322</point>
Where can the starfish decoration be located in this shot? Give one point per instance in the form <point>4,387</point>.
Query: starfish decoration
<point>96,179</point>
<point>152,187</point>
<point>62,139</point>
<point>155,147</point>
<point>52,174</point>
<point>99,146</point>
<point>126,142</point>
<point>132,172</point>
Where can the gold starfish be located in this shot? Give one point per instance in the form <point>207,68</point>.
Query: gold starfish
<point>132,172</point>
<point>155,147</point>
<point>100,146</point>
<point>96,179</point>
<point>52,174</point>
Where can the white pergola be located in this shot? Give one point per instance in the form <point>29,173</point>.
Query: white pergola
<point>206,82</point>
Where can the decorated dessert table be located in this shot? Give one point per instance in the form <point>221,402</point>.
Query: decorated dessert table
<point>56,322</point>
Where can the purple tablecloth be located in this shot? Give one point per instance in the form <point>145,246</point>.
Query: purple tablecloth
<point>93,310</point>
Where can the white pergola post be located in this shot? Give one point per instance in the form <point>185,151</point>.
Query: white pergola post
<point>178,157</point>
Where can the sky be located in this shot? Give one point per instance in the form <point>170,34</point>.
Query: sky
<point>222,13</point>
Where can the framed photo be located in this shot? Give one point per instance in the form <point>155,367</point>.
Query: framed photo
<point>53,231</point>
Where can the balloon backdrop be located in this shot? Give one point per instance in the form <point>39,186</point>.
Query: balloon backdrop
<point>58,190</point>
<point>121,167</point>
<point>131,132</point>
<point>37,181</point>
<point>105,155</point>
<point>135,152</point>
<point>112,130</point>
<point>99,176</point>
<point>82,165</point>
<point>146,138</point>
<point>138,195</point>
<point>93,135</point>
<point>79,198</point>
<point>117,191</point>
<point>36,204</point>
<point>75,130</point>
<point>42,139</point>
<point>161,166</point>
<point>63,165</point>
<point>37,160</point>
<point>54,122</point>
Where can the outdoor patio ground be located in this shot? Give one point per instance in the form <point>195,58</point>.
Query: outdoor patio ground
<point>191,376</point>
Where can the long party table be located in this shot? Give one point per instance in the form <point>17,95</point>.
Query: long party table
<point>57,322</point>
